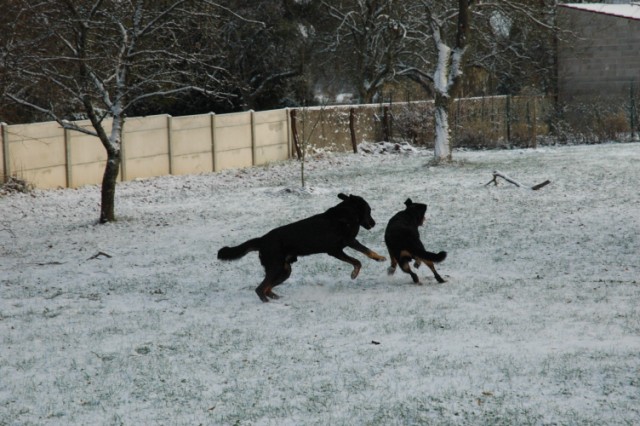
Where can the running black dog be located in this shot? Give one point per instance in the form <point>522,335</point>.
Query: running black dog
<point>329,232</point>
<point>403,241</point>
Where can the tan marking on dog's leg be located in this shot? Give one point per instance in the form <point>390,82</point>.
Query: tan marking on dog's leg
<point>406,268</point>
<point>431,266</point>
<point>375,256</point>
<point>406,253</point>
<point>261,291</point>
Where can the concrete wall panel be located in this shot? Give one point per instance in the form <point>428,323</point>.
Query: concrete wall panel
<point>137,168</point>
<point>192,163</point>
<point>269,154</point>
<point>228,138</point>
<point>88,174</point>
<point>191,135</point>
<point>235,158</point>
<point>45,177</point>
<point>35,146</point>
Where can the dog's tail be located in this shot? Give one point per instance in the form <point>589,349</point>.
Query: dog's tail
<point>233,253</point>
<point>433,257</point>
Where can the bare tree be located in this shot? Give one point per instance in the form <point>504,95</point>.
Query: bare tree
<point>264,56</point>
<point>102,57</point>
<point>389,39</point>
<point>455,29</point>
<point>370,39</point>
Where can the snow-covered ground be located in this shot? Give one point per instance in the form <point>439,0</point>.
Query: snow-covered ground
<point>137,322</point>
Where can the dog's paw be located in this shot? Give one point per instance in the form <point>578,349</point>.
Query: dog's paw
<point>391,270</point>
<point>381,259</point>
<point>355,272</point>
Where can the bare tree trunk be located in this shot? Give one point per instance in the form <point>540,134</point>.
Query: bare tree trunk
<point>112,144</point>
<point>447,77</point>
<point>352,130</point>
<point>294,131</point>
<point>442,148</point>
<point>107,206</point>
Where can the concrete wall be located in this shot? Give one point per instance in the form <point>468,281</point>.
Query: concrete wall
<point>602,56</point>
<point>36,153</point>
<point>47,156</point>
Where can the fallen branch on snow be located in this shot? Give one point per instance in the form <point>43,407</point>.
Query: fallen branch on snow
<point>497,174</point>
<point>100,253</point>
<point>9,231</point>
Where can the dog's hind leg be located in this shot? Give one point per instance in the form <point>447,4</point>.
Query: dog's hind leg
<point>429,258</point>
<point>274,274</point>
<point>435,273</point>
<point>339,254</point>
<point>284,275</point>
<point>264,289</point>
<point>404,265</point>
<point>394,263</point>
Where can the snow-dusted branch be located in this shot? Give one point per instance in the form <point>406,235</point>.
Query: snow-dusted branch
<point>497,174</point>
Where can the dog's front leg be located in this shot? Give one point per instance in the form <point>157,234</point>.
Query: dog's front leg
<point>345,258</point>
<point>356,245</point>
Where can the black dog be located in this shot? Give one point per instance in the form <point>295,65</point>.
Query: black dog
<point>329,232</point>
<point>403,241</point>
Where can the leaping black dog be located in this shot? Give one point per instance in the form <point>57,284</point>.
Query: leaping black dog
<point>403,242</point>
<point>329,232</point>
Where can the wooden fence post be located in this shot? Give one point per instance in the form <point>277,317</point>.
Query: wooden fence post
<point>352,128</point>
<point>508,118</point>
<point>287,118</point>
<point>294,131</point>
<point>4,141</point>
<point>535,124</point>
<point>386,126</point>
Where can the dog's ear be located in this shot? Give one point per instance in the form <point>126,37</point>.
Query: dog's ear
<point>408,202</point>
<point>343,196</point>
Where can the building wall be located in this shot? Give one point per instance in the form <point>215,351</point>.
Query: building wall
<point>601,58</point>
